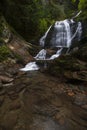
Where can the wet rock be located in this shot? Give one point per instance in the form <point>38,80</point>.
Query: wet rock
<point>12,95</point>
<point>7,84</point>
<point>5,79</point>
<point>9,121</point>
<point>84,106</point>
<point>82,53</point>
<point>80,99</point>
<point>71,93</point>
<point>61,121</point>
<point>2,91</point>
<point>1,84</point>
<point>15,105</point>
<point>1,67</point>
<point>50,52</point>
<point>80,76</point>
<point>1,100</point>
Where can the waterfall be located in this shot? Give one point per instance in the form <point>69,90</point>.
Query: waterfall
<point>60,35</point>
<point>58,53</point>
<point>41,55</point>
<point>42,40</point>
<point>30,66</point>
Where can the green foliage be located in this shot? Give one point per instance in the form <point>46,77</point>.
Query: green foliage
<point>42,25</point>
<point>31,18</point>
<point>1,25</point>
<point>82,5</point>
<point>4,53</point>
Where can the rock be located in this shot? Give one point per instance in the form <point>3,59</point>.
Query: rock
<point>84,106</point>
<point>1,84</point>
<point>61,121</point>
<point>7,84</point>
<point>15,105</point>
<point>59,118</point>
<point>70,93</point>
<point>50,52</point>
<point>2,92</point>
<point>9,121</point>
<point>82,53</point>
<point>80,99</point>
<point>20,49</point>
<point>12,95</point>
<point>1,67</point>
<point>1,100</point>
<point>5,79</point>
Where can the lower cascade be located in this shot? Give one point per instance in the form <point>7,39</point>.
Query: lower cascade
<point>30,66</point>
<point>60,35</point>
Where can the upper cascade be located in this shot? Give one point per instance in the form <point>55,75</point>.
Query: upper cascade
<point>62,33</point>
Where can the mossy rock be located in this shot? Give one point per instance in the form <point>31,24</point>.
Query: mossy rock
<point>4,53</point>
<point>81,54</point>
<point>67,66</point>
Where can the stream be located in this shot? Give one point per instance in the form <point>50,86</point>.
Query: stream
<point>51,107</point>
<point>37,101</point>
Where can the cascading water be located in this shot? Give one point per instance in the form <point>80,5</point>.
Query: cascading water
<point>41,55</point>
<point>60,35</point>
<point>30,66</point>
<point>42,40</point>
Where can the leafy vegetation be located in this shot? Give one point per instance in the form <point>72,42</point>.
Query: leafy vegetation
<point>82,5</point>
<point>31,18</point>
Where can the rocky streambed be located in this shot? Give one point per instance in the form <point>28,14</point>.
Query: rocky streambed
<point>36,101</point>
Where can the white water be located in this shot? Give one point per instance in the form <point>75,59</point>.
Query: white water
<point>30,66</point>
<point>42,40</point>
<point>58,53</point>
<point>62,37</point>
<point>78,32</point>
<point>41,55</point>
<point>62,34</point>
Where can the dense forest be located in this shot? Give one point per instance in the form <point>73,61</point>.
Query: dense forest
<point>43,64</point>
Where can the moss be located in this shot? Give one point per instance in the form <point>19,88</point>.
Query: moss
<point>4,53</point>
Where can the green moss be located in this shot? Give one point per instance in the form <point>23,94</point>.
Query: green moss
<point>4,53</point>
